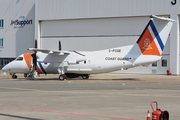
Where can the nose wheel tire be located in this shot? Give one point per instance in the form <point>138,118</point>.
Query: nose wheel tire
<point>62,77</point>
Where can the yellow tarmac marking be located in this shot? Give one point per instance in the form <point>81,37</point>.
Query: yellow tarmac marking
<point>21,89</point>
<point>98,93</point>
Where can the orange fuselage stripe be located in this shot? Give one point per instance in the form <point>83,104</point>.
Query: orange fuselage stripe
<point>27,57</point>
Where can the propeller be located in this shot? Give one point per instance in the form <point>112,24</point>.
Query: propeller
<point>34,57</point>
<point>34,60</point>
<point>34,63</point>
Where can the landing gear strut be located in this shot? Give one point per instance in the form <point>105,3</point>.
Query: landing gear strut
<point>62,75</point>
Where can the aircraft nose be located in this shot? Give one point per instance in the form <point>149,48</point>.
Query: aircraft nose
<point>5,68</point>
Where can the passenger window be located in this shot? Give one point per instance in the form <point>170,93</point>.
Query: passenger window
<point>19,59</point>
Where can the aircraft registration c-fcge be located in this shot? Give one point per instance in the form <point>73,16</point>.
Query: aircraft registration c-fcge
<point>71,64</point>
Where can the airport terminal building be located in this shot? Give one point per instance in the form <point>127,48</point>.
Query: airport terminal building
<point>86,25</point>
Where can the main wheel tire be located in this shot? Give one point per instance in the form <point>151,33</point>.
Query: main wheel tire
<point>62,77</point>
<point>25,75</point>
<point>85,76</point>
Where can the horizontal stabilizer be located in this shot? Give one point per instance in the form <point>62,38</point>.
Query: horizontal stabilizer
<point>162,18</point>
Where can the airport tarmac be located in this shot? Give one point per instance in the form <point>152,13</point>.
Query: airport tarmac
<point>102,97</point>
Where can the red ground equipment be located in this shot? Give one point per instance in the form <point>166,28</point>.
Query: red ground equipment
<point>158,114</point>
<point>168,72</point>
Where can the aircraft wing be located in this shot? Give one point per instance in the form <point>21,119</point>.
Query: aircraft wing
<point>49,51</point>
<point>56,52</point>
<point>56,57</point>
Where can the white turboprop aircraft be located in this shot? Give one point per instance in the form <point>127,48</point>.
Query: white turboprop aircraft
<point>71,64</point>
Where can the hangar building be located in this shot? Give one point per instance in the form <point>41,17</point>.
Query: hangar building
<point>85,25</point>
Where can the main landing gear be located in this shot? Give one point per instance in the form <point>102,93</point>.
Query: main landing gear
<point>62,77</point>
<point>14,76</point>
<point>85,77</point>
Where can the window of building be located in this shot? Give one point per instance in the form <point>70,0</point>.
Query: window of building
<point>164,63</point>
<point>1,42</point>
<point>154,64</point>
<point>1,23</point>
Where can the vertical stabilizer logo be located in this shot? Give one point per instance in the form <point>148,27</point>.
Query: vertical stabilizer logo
<point>21,22</point>
<point>147,44</point>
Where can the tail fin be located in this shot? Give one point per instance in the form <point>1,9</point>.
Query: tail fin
<point>154,36</point>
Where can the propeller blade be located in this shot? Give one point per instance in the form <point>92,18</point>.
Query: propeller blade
<point>34,61</point>
<point>59,45</point>
<point>33,72</point>
<point>34,56</point>
<point>35,43</point>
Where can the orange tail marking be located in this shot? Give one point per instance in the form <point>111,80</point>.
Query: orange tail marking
<point>147,44</point>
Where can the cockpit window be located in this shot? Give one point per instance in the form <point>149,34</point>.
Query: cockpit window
<point>19,58</point>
